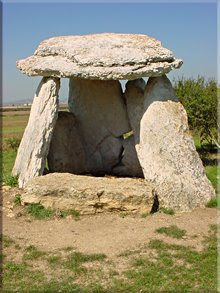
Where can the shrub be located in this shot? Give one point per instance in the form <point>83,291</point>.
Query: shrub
<point>199,97</point>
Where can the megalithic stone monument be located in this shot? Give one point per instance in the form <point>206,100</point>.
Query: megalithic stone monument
<point>95,138</point>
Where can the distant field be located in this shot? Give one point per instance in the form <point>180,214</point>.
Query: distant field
<point>14,123</point>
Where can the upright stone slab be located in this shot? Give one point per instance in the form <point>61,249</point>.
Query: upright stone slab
<point>102,118</point>
<point>129,165</point>
<point>66,153</point>
<point>34,147</point>
<point>134,96</point>
<point>165,147</point>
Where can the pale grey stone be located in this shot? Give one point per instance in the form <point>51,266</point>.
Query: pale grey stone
<point>166,149</point>
<point>89,195</point>
<point>134,96</point>
<point>102,119</point>
<point>103,56</point>
<point>34,146</point>
<point>129,165</point>
<point>66,153</point>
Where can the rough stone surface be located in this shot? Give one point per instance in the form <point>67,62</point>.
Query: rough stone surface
<point>100,56</point>
<point>166,150</point>
<point>34,146</point>
<point>89,195</point>
<point>66,153</point>
<point>102,118</point>
<point>134,96</point>
<point>129,165</point>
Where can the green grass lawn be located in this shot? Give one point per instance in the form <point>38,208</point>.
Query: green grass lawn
<point>213,173</point>
<point>7,159</point>
<point>156,267</point>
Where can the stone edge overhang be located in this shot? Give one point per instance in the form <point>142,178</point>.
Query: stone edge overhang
<point>61,67</point>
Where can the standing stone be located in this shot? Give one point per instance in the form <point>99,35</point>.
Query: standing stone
<point>66,152</point>
<point>165,148</point>
<point>34,147</point>
<point>134,96</point>
<point>102,117</point>
<point>129,165</point>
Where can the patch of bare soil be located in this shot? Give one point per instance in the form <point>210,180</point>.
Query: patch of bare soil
<point>108,233</point>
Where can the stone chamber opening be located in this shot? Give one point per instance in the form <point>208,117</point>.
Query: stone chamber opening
<point>82,142</point>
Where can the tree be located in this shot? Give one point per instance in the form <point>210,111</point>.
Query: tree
<point>199,97</point>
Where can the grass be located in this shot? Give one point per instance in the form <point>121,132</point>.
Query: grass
<point>213,203</point>
<point>167,211</point>
<point>6,241</point>
<point>7,159</point>
<point>212,174</point>
<point>54,260</point>
<point>75,260</point>
<point>172,265</point>
<point>39,212</point>
<point>17,199</point>
<point>172,231</point>
<point>70,212</point>
<point>32,253</point>
<point>168,266</point>
<point>11,181</point>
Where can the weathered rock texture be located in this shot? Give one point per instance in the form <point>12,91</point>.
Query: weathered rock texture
<point>165,147</point>
<point>89,195</point>
<point>100,56</point>
<point>66,153</point>
<point>129,165</point>
<point>134,96</point>
<point>102,118</point>
<point>34,147</point>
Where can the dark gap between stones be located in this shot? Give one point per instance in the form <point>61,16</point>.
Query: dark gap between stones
<point>155,206</point>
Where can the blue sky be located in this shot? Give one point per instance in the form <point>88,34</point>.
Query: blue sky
<point>188,29</point>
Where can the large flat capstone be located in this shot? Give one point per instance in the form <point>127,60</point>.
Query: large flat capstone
<point>100,56</point>
<point>89,195</point>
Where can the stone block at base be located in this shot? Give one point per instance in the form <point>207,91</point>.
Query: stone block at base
<point>89,195</point>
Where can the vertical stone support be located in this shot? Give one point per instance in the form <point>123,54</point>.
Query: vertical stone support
<point>164,145</point>
<point>102,120</point>
<point>66,153</point>
<point>34,146</point>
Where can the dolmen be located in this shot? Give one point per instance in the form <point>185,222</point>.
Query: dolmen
<point>142,132</point>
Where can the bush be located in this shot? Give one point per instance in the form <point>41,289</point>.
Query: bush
<point>199,97</point>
